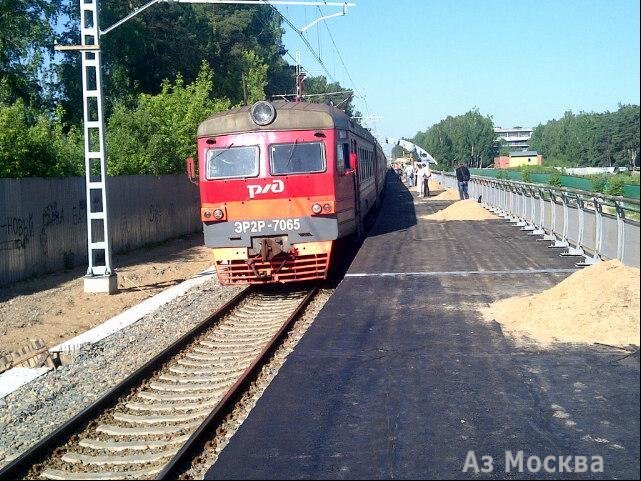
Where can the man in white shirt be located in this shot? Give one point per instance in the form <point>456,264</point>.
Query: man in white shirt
<point>422,176</point>
<point>409,175</point>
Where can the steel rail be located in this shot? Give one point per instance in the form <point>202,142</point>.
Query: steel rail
<point>21,465</point>
<point>233,395</point>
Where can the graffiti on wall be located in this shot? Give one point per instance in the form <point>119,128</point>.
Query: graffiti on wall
<point>46,231</point>
<point>16,232</point>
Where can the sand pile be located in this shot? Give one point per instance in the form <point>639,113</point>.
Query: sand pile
<point>449,194</point>
<point>435,185</point>
<point>597,304</point>
<point>462,210</point>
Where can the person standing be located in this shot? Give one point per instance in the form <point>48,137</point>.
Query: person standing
<point>409,175</point>
<point>421,178</point>
<point>463,177</point>
<point>428,174</point>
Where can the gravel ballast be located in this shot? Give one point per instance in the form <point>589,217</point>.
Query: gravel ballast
<point>36,409</point>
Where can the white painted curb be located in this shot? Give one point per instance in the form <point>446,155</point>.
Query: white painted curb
<point>133,314</point>
<point>19,376</point>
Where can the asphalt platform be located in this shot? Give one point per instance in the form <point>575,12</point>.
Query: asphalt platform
<point>400,377</point>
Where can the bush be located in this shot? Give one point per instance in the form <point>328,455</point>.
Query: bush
<point>38,145</point>
<point>537,169</point>
<point>599,183</point>
<point>628,178</point>
<point>157,135</point>
<point>555,179</point>
<point>615,186</point>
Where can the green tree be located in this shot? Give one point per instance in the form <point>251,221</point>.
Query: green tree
<point>590,139</point>
<point>156,135</point>
<point>438,143</point>
<point>26,39</point>
<point>254,76</point>
<point>397,152</point>
<point>33,144</point>
<point>502,147</point>
<point>168,40</point>
<point>625,135</point>
<point>469,138</point>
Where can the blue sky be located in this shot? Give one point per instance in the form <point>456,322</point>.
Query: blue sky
<point>521,61</point>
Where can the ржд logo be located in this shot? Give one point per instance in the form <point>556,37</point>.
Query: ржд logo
<point>276,186</point>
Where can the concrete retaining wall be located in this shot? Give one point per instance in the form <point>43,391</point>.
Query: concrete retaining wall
<point>43,225</point>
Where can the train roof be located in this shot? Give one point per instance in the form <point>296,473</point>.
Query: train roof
<point>289,116</point>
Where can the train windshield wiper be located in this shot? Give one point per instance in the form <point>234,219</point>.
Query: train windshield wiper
<point>222,152</point>
<point>291,154</point>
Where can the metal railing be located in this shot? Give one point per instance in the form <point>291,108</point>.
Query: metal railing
<point>584,224</point>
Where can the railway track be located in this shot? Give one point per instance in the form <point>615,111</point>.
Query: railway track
<point>152,423</point>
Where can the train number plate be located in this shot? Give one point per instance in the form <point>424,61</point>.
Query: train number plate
<point>266,226</point>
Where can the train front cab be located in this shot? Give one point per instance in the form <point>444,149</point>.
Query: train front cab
<point>273,203</point>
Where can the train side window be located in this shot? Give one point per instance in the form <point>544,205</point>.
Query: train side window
<point>367,165</point>
<point>342,157</point>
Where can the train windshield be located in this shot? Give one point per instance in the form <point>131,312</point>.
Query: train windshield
<point>297,158</point>
<point>230,162</point>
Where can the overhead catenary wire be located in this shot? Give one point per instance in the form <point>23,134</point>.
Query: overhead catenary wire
<point>293,59</point>
<point>356,92</point>
<point>340,58</point>
<point>297,61</point>
<point>309,46</point>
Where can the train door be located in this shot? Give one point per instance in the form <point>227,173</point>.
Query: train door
<point>377,181</point>
<point>345,186</point>
<point>353,160</point>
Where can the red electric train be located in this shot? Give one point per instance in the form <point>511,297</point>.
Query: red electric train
<point>280,183</point>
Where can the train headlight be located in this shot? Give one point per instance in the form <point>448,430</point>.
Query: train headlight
<point>209,214</point>
<point>262,113</point>
<point>327,207</point>
<point>317,208</point>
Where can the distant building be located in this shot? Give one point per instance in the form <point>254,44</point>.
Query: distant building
<point>517,138</point>
<point>518,158</point>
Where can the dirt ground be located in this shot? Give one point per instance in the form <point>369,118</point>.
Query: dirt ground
<point>55,308</point>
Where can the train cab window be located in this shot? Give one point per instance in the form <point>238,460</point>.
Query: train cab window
<point>342,157</point>
<point>232,162</point>
<point>297,158</point>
